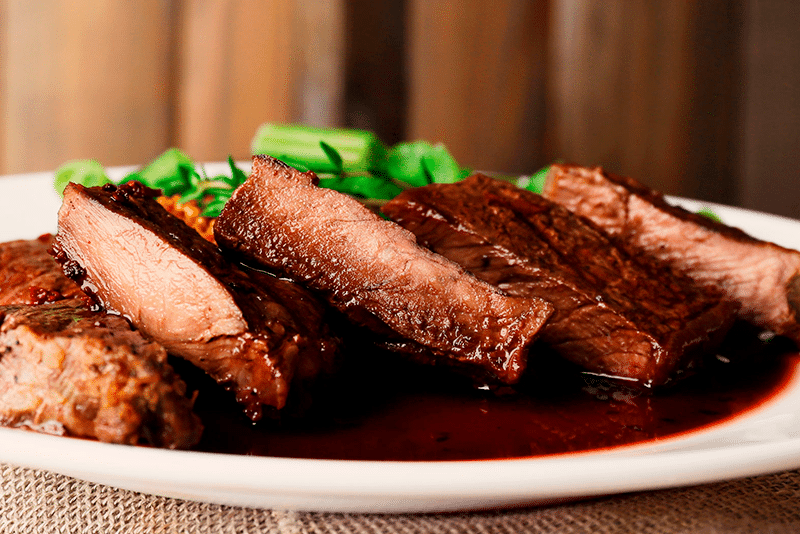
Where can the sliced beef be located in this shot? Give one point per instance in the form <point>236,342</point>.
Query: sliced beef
<point>763,277</point>
<point>67,370</point>
<point>614,314</point>
<point>373,271</point>
<point>251,332</point>
<point>29,274</point>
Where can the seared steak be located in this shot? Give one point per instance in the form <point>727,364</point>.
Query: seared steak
<point>614,314</point>
<point>249,332</point>
<point>29,274</point>
<point>763,277</point>
<point>67,370</point>
<point>373,271</point>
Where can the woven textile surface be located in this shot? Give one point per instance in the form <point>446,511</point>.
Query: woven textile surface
<point>41,502</point>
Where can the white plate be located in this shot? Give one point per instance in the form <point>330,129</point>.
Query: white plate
<point>763,440</point>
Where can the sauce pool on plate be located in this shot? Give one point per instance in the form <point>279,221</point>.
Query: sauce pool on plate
<point>380,408</point>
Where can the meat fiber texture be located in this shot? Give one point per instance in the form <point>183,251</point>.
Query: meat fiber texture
<point>251,332</point>
<point>615,314</point>
<point>374,272</point>
<point>764,278</point>
<point>67,370</point>
<point>28,273</point>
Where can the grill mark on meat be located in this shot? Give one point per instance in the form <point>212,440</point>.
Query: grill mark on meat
<point>615,314</point>
<point>248,330</point>
<point>374,271</point>
<point>761,276</point>
<point>67,370</point>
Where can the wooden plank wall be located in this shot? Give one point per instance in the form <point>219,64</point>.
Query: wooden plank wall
<point>221,93</point>
<point>682,95</point>
<point>647,89</point>
<point>85,82</point>
<point>3,95</point>
<point>770,138</point>
<point>481,89</point>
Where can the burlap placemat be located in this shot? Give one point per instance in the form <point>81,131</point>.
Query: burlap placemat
<point>41,502</point>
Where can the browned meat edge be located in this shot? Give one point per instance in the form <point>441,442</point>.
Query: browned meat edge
<point>251,332</point>
<point>615,314</point>
<point>67,370</point>
<point>763,277</point>
<point>28,273</point>
<point>374,271</point>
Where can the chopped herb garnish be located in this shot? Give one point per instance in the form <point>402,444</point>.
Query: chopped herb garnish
<point>350,161</point>
<point>86,172</point>
<point>706,212</point>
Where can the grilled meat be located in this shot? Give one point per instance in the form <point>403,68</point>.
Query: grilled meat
<point>28,273</point>
<point>614,314</point>
<point>249,332</point>
<point>67,370</point>
<point>374,272</point>
<point>763,277</point>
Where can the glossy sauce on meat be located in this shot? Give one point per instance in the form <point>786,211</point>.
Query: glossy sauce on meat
<point>616,313</point>
<point>411,414</point>
<point>375,273</point>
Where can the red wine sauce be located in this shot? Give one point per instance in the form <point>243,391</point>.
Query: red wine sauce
<point>380,408</point>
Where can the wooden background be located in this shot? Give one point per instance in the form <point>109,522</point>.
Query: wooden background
<point>695,98</point>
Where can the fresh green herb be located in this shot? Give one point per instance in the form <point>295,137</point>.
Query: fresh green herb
<point>355,162</point>
<point>237,177</point>
<point>706,212</point>
<point>419,163</point>
<point>173,172</point>
<point>212,193</point>
<point>362,186</point>
<point>86,172</point>
<point>534,182</point>
<point>357,151</point>
<point>333,156</point>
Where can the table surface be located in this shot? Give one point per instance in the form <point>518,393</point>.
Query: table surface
<point>41,502</point>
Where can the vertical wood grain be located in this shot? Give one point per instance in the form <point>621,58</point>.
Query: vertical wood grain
<point>375,84</point>
<point>88,82</point>
<point>771,116</point>
<point>319,48</point>
<point>3,71</point>
<point>235,71</point>
<point>476,79</point>
<point>646,89</point>
<point>246,62</point>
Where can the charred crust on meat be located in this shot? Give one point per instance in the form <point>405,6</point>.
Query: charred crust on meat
<point>74,270</point>
<point>407,294</point>
<point>41,295</point>
<point>765,284</point>
<point>264,321</point>
<point>131,190</point>
<point>529,246</point>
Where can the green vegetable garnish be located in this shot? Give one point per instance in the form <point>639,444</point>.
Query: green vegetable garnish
<point>212,193</point>
<point>706,212</point>
<point>534,182</point>
<point>333,156</point>
<point>351,161</point>
<point>357,151</point>
<point>87,172</point>
<point>419,163</point>
<point>362,186</point>
<point>173,172</point>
